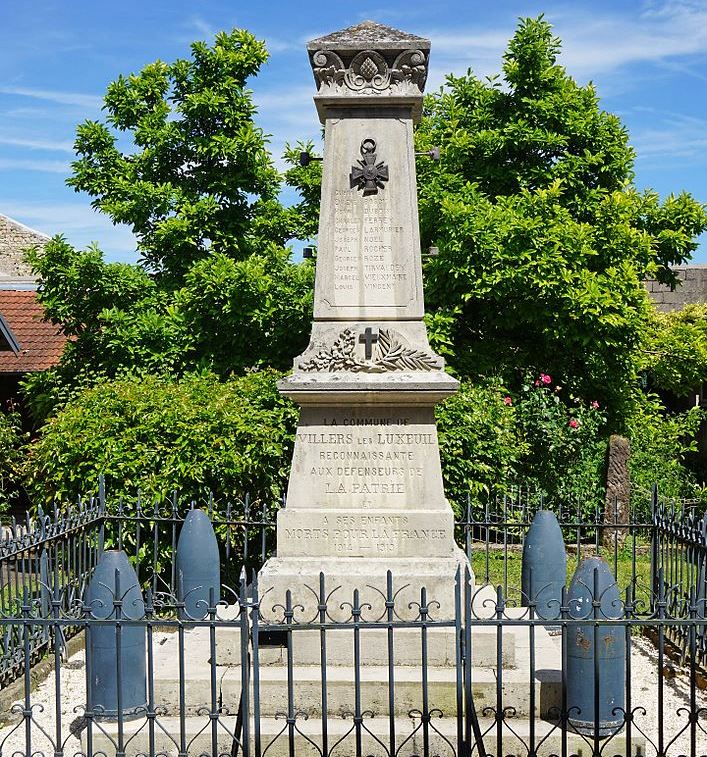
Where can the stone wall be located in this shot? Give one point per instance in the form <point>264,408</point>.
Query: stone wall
<point>692,289</point>
<point>14,239</point>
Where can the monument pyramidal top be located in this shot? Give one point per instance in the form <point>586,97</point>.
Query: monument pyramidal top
<point>369,34</point>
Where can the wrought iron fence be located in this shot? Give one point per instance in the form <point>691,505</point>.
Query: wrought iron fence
<point>63,547</point>
<point>492,534</point>
<point>59,549</point>
<point>491,680</point>
<point>363,674</point>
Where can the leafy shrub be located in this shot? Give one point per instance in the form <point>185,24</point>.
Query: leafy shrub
<point>157,434</point>
<point>478,442</point>
<point>661,445</point>
<point>540,438</point>
<point>677,350</point>
<point>12,458</point>
<point>564,445</point>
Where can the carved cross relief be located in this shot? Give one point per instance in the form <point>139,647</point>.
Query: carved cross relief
<point>368,337</point>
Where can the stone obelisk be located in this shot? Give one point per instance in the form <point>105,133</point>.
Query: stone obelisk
<point>365,493</point>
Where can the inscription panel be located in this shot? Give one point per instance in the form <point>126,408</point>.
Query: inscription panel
<point>365,240</point>
<point>365,534</point>
<point>374,457</point>
<point>368,247</point>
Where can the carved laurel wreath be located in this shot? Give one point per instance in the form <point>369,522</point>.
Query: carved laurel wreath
<point>391,355</point>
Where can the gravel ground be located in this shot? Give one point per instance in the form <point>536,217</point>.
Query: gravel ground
<point>676,693</point>
<point>644,692</point>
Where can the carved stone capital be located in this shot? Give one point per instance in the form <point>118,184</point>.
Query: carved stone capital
<point>370,73</point>
<point>369,59</point>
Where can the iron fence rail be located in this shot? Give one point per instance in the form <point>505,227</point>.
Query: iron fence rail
<point>66,544</point>
<point>672,539</point>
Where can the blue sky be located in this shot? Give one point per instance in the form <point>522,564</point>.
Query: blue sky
<point>648,61</point>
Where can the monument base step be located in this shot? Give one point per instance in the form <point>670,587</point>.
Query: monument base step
<point>346,575</point>
<point>196,737</point>
<point>307,690</point>
<point>407,646</point>
<point>373,671</point>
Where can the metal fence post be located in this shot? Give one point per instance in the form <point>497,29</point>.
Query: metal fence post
<point>655,544</point>
<point>245,663</point>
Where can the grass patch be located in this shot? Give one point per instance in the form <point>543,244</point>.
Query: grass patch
<point>503,568</point>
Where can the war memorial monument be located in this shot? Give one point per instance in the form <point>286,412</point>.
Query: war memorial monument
<point>365,493</point>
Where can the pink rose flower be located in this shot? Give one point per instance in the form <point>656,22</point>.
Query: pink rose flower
<point>507,401</point>
<point>574,423</point>
<point>595,404</point>
<point>545,378</point>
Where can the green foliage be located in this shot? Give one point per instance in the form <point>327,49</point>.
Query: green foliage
<point>308,182</point>
<point>12,457</point>
<point>676,354</point>
<point>661,445</point>
<point>479,446</point>
<point>251,313</point>
<point>158,434</point>
<point>198,177</point>
<point>77,287</point>
<point>541,437</point>
<point>564,448</point>
<point>116,318</point>
<point>543,241</point>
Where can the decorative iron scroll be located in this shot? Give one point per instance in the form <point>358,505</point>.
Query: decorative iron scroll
<point>390,355</point>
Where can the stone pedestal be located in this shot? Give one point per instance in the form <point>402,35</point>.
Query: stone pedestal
<point>365,493</point>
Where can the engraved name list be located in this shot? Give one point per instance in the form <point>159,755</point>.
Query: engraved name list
<point>368,268</point>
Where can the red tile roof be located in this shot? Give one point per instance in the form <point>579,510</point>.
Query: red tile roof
<point>41,343</point>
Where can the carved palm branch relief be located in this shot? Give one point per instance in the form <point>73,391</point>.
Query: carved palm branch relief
<point>390,355</point>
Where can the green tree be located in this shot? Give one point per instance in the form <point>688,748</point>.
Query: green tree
<point>197,176</point>
<point>180,159</point>
<point>543,239</point>
<point>12,458</point>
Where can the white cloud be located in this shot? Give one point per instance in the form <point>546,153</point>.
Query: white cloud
<point>288,114</point>
<point>27,164</point>
<point>288,107</point>
<point>670,136</point>
<point>278,45</point>
<point>63,98</point>
<point>593,43</point>
<point>52,218</point>
<point>202,27</point>
<point>38,144</point>
<point>597,45</point>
